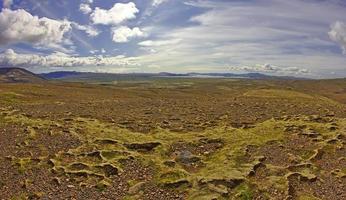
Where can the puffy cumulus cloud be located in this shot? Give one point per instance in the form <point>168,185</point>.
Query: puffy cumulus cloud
<point>58,59</point>
<point>338,34</point>
<point>90,30</point>
<point>157,43</point>
<point>85,8</point>
<point>124,33</point>
<point>268,68</point>
<point>156,3</point>
<point>119,13</point>
<point>18,26</point>
<point>7,3</point>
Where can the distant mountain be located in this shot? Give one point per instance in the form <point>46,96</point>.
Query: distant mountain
<point>106,77</point>
<point>60,74</point>
<point>18,75</point>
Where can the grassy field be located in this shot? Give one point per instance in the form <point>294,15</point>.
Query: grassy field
<point>174,138</point>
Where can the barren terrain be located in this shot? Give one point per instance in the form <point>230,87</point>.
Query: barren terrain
<point>174,138</point>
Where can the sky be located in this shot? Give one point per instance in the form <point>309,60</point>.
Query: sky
<point>304,38</point>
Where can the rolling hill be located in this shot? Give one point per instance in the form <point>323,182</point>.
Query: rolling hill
<point>18,75</point>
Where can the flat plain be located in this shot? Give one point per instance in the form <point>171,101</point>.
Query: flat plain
<point>174,138</point>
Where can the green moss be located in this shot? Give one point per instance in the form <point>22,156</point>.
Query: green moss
<point>173,176</point>
<point>31,133</point>
<point>244,192</point>
<point>9,97</point>
<point>21,196</point>
<point>102,185</point>
<point>305,155</point>
<point>22,164</point>
<point>274,93</point>
<point>106,145</point>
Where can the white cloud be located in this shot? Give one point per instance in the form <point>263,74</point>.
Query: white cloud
<point>123,34</point>
<point>93,51</point>
<point>90,30</point>
<point>156,3</point>
<point>7,3</point>
<point>20,26</point>
<point>98,51</point>
<point>268,68</point>
<point>157,43</point>
<point>119,13</point>
<point>85,8</point>
<point>58,59</point>
<point>338,34</point>
<point>243,33</point>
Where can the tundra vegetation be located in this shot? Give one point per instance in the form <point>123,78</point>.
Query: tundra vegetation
<point>174,139</point>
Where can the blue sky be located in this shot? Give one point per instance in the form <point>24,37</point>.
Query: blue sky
<point>297,37</point>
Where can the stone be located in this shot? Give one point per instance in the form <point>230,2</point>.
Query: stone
<point>186,157</point>
<point>146,147</point>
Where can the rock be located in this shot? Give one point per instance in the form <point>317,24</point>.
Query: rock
<point>145,147</point>
<point>230,182</point>
<point>105,141</point>
<point>177,183</point>
<point>109,169</point>
<point>56,181</point>
<point>78,166</point>
<point>186,157</point>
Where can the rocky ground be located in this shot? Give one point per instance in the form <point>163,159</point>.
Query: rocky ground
<point>174,139</point>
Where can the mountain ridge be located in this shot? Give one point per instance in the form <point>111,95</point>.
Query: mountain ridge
<point>61,75</point>
<point>20,75</point>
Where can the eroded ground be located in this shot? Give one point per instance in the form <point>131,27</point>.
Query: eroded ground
<point>174,139</point>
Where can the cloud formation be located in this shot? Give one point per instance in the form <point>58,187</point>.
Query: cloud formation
<point>189,35</point>
<point>10,58</point>
<point>268,68</point>
<point>156,3</point>
<point>85,8</point>
<point>89,30</point>
<point>338,34</point>
<point>158,43</point>
<point>7,3</point>
<point>89,1</point>
<point>19,26</point>
<point>119,13</point>
<point>244,33</point>
<point>123,34</point>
